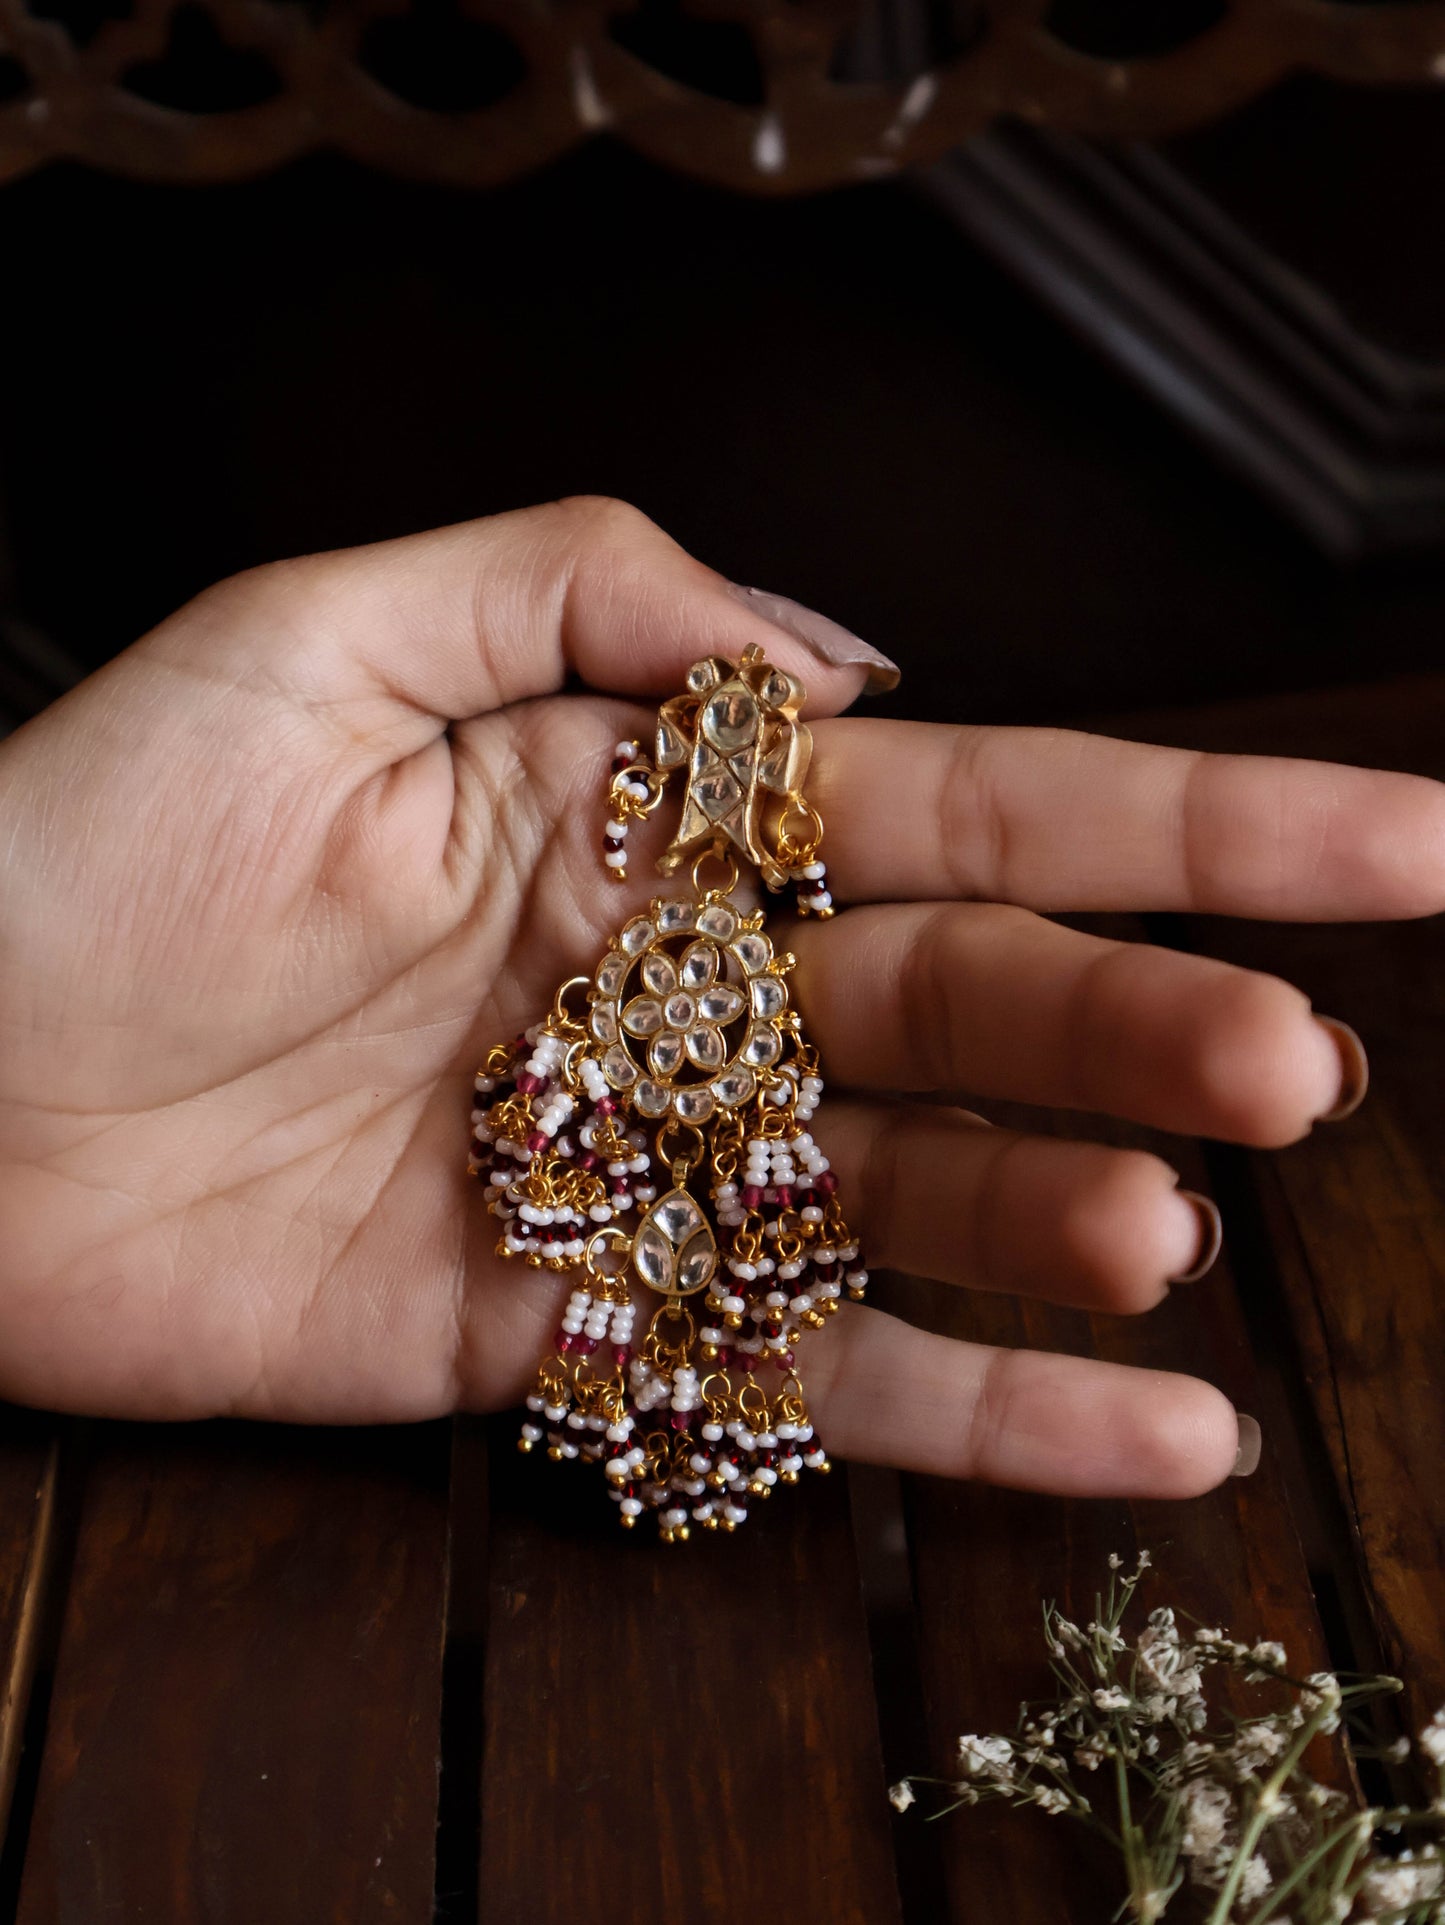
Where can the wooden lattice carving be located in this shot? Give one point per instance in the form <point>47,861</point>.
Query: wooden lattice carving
<point>81,91</point>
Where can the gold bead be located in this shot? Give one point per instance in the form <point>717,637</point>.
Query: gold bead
<point>627,1521</point>
<point>524,1444</point>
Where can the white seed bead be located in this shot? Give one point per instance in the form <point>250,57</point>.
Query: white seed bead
<point>616,828</point>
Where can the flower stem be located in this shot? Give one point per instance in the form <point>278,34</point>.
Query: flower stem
<point>1264,1806</point>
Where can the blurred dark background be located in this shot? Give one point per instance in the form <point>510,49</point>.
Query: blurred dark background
<point>1064,428</point>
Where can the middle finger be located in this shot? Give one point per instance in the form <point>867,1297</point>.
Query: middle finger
<point>1001,1002</point>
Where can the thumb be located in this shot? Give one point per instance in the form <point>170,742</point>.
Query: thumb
<point>404,637</point>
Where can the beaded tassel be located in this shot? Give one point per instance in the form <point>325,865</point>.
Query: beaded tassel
<point>655,1147</point>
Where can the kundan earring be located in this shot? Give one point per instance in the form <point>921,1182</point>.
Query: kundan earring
<point>650,1137</point>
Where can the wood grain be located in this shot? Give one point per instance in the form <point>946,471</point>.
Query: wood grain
<point>692,1727</point>
<point>1355,1213</point>
<point>245,1713</point>
<point>30,1476</point>
<point>985,1559</point>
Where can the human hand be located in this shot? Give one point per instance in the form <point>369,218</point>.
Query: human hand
<point>278,875</point>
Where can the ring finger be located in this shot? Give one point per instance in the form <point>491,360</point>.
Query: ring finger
<point>940,1193</point>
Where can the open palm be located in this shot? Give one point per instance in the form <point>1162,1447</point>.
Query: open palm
<point>278,875</point>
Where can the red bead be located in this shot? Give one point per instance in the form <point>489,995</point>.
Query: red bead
<point>537,1140</point>
<point>752,1196</point>
<point>584,1346</point>
<point>681,1419</point>
<point>564,1341</point>
<point>588,1161</point>
<point>622,1355</point>
<point>785,1196</point>
<point>612,844</point>
<point>827,1182</point>
<point>528,1084</point>
<point>784,1359</point>
<point>606,1105</point>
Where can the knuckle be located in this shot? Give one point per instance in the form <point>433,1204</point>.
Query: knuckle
<point>602,523</point>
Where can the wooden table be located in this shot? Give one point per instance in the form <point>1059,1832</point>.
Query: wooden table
<point>280,1677</point>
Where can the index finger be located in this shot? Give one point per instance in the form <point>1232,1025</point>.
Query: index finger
<point>1057,820</point>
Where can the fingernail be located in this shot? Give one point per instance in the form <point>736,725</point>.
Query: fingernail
<point>1211,1237</point>
<point>1246,1457</point>
<point>1354,1069</point>
<point>830,641</point>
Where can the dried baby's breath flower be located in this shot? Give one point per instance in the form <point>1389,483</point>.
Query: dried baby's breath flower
<point>1195,1798</point>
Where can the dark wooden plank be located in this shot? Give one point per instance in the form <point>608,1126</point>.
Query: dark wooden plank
<point>984,1559</point>
<point>245,1715</point>
<point>30,1473</point>
<point>1364,1267</point>
<point>690,1728</point>
<point>1357,1212</point>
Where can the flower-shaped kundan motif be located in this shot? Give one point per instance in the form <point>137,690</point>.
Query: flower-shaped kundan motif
<point>683,1010</point>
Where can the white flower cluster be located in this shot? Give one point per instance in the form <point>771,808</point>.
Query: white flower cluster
<point>1209,1800</point>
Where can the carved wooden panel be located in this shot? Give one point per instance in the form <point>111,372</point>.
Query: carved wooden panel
<point>171,89</point>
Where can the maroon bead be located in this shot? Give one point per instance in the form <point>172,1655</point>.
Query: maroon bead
<point>827,1182</point>
<point>606,1105</point>
<point>622,1355</point>
<point>785,1196</point>
<point>588,1161</point>
<point>528,1084</point>
<point>619,763</point>
<point>681,1419</point>
<point>752,1196</point>
<point>584,1346</point>
<point>564,1341</point>
<point>784,1359</point>
<point>612,844</point>
<point>536,1140</point>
